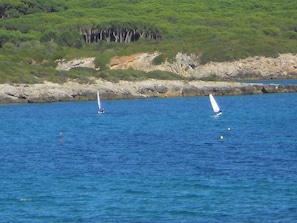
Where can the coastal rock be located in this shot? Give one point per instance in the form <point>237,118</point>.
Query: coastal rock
<point>9,90</point>
<point>153,90</point>
<point>190,90</point>
<point>161,89</point>
<point>6,99</point>
<point>291,88</point>
<point>73,91</point>
<point>139,61</point>
<point>273,88</point>
<point>244,90</point>
<point>282,67</point>
<point>9,94</point>
<point>76,63</point>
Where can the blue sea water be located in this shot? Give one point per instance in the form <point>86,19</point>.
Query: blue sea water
<point>150,160</point>
<point>273,81</point>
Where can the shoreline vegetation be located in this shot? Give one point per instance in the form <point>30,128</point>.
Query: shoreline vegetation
<point>142,49</point>
<point>73,91</point>
<point>34,35</point>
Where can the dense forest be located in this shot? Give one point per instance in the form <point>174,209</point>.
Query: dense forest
<point>36,33</point>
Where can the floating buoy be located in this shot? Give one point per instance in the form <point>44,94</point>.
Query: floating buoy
<point>229,129</point>
<point>221,137</point>
<point>61,140</point>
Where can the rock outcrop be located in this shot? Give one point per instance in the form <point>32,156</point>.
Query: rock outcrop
<point>76,63</point>
<point>282,67</point>
<point>73,91</point>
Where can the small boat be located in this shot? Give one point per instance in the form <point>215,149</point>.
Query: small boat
<point>100,110</point>
<point>215,105</point>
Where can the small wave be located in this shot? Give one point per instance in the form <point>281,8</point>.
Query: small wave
<point>23,199</point>
<point>184,213</point>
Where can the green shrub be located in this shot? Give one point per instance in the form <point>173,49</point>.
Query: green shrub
<point>271,31</point>
<point>164,75</point>
<point>159,59</point>
<point>8,48</point>
<point>290,35</point>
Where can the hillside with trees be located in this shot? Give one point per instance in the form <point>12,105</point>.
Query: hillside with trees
<point>34,34</point>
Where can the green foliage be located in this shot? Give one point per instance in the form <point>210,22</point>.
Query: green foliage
<point>103,59</point>
<point>291,35</point>
<point>211,78</point>
<point>163,75</point>
<point>159,59</point>
<point>133,75</point>
<point>8,48</point>
<point>70,39</point>
<point>271,31</point>
<point>49,35</point>
<point>35,31</point>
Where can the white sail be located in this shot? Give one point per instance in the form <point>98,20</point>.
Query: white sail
<point>98,99</point>
<point>214,104</point>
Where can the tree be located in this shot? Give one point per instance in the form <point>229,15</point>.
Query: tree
<point>14,9</point>
<point>70,39</point>
<point>49,36</point>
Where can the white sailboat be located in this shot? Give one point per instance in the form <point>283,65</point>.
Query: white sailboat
<point>214,105</point>
<point>100,110</point>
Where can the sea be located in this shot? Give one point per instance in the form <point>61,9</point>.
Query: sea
<point>273,81</point>
<point>150,160</point>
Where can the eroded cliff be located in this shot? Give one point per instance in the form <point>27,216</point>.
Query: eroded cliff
<point>282,67</point>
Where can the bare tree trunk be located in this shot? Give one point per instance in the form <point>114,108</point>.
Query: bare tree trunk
<point>116,35</point>
<point>122,36</point>
<point>108,37</point>
<point>142,34</point>
<point>101,37</point>
<point>128,36</point>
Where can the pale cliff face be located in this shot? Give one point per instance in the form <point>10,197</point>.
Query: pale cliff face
<point>282,67</point>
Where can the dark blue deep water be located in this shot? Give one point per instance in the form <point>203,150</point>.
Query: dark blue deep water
<point>150,160</point>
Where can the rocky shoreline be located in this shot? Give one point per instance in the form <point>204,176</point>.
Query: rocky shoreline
<point>73,91</point>
<point>262,68</point>
<point>228,74</point>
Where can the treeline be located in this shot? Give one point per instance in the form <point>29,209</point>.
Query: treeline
<point>119,33</point>
<point>15,9</point>
<point>54,14</point>
<point>131,20</point>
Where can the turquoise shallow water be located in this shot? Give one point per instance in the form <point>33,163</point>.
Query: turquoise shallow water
<point>150,160</point>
